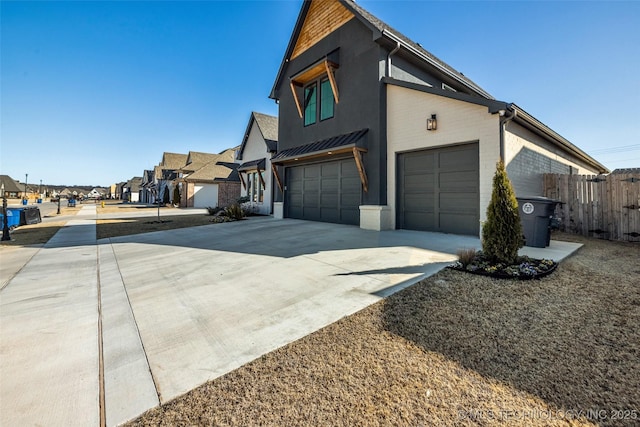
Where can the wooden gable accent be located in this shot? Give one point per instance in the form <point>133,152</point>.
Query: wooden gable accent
<point>323,18</point>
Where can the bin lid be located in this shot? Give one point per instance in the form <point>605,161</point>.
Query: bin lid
<point>539,199</point>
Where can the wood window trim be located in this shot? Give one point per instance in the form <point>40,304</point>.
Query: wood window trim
<point>277,176</point>
<point>357,155</point>
<point>311,73</point>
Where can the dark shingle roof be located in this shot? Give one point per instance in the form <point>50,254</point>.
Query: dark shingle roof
<point>322,146</point>
<point>626,170</point>
<point>268,126</point>
<point>10,184</point>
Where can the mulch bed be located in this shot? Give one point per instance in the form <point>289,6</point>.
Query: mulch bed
<point>525,268</point>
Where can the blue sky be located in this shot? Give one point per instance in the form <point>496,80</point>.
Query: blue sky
<point>93,93</point>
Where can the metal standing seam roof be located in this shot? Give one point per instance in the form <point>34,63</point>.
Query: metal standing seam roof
<point>253,164</point>
<point>322,145</point>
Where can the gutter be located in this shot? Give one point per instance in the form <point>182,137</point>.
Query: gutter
<point>393,52</point>
<point>426,58</point>
<point>534,124</point>
<point>505,117</point>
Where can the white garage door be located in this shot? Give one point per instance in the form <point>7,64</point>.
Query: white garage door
<point>205,195</point>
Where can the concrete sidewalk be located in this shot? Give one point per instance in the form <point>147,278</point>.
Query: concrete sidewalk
<point>49,359</point>
<point>98,332</point>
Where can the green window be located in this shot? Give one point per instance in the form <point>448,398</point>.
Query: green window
<point>326,100</point>
<point>310,104</point>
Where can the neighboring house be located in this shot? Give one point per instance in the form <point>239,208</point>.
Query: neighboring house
<point>11,188</point>
<point>95,193</point>
<point>376,131</point>
<point>131,190</point>
<point>215,183</point>
<point>260,142</point>
<point>147,187</point>
<point>167,173</point>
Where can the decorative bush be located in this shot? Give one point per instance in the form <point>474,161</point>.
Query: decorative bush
<point>234,212</point>
<point>165,195</point>
<point>176,195</point>
<point>502,231</point>
<point>243,199</point>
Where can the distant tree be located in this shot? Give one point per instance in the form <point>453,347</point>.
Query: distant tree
<point>502,231</point>
<point>165,195</point>
<point>176,195</point>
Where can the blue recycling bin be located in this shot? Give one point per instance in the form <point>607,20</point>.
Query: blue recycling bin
<point>71,203</point>
<point>25,201</point>
<point>39,200</point>
<point>13,218</point>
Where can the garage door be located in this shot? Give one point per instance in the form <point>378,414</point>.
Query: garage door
<point>328,192</point>
<point>438,190</point>
<point>205,195</point>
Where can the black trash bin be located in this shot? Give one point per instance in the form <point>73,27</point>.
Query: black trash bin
<point>535,215</point>
<point>30,215</point>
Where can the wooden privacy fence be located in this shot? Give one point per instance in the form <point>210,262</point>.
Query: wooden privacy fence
<point>603,206</point>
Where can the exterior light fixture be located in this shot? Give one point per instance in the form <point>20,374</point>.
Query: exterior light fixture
<point>432,123</point>
<point>330,152</point>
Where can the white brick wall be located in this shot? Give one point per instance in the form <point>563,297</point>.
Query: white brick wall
<point>517,137</point>
<point>458,122</point>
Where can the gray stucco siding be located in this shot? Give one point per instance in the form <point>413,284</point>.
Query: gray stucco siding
<point>359,105</point>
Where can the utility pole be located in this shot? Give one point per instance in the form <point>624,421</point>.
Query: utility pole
<point>26,196</point>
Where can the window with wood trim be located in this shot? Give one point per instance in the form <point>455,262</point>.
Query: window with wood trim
<point>255,189</point>
<point>319,102</point>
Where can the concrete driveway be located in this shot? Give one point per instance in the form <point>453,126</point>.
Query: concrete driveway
<point>174,309</point>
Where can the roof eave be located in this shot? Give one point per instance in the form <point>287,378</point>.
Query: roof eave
<point>526,119</point>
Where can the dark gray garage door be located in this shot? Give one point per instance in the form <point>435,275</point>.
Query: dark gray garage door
<point>328,192</point>
<point>438,190</point>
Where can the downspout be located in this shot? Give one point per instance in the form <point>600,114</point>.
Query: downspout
<point>393,52</point>
<point>505,118</point>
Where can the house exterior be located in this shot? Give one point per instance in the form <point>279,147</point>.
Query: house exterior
<point>147,187</point>
<point>209,180</point>
<point>375,131</point>
<point>260,142</point>
<point>166,174</point>
<point>131,190</point>
<point>11,188</point>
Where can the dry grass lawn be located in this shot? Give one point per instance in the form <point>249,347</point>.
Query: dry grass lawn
<point>124,227</point>
<point>40,233</point>
<point>455,349</point>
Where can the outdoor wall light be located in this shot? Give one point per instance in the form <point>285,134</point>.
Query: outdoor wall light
<point>432,123</point>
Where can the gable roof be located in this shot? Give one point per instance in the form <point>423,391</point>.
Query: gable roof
<point>196,160</point>
<point>173,160</point>
<point>268,127</point>
<point>10,184</point>
<point>215,171</point>
<point>626,170</point>
<point>380,30</point>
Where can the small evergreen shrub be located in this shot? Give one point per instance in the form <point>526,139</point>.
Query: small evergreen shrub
<point>502,231</point>
<point>176,195</point>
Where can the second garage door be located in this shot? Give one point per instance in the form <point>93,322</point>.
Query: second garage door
<point>328,192</point>
<point>438,190</point>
